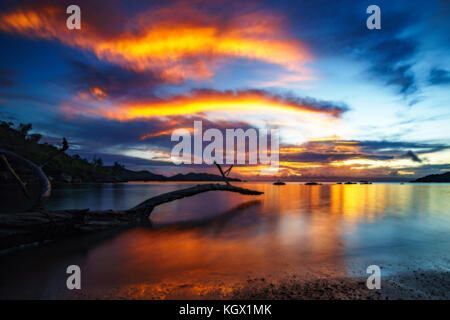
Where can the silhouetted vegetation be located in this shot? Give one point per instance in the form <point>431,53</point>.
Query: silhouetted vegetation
<point>19,140</point>
<point>67,168</point>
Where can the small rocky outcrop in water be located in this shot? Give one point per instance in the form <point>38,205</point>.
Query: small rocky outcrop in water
<point>65,177</point>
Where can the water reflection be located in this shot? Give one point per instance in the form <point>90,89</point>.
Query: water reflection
<point>217,239</point>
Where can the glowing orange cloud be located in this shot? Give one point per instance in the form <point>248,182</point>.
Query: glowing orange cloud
<point>163,41</point>
<point>163,133</point>
<point>240,102</point>
<point>98,93</point>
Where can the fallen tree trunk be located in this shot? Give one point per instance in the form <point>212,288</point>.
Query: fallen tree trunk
<point>25,228</point>
<point>148,205</point>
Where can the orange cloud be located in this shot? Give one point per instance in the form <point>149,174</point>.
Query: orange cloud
<point>98,93</point>
<point>163,133</point>
<point>189,44</point>
<point>293,149</point>
<point>200,101</point>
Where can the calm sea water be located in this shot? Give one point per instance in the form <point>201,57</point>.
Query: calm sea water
<point>217,239</point>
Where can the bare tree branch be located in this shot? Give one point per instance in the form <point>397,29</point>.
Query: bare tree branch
<point>45,183</point>
<point>15,175</point>
<point>227,172</point>
<point>221,172</point>
<point>64,147</point>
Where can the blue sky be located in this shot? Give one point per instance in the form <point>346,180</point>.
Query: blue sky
<point>389,88</point>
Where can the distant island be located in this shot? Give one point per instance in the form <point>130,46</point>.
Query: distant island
<point>72,168</point>
<point>444,177</point>
<point>123,174</point>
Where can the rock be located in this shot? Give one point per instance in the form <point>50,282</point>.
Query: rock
<point>65,177</point>
<point>77,180</point>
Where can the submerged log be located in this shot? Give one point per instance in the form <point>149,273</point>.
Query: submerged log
<point>25,228</point>
<point>148,205</point>
<point>40,225</point>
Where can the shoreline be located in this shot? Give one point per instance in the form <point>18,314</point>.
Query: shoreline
<point>431,285</point>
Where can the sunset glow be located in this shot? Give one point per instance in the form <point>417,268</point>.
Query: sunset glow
<point>131,76</point>
<point>177,49</point>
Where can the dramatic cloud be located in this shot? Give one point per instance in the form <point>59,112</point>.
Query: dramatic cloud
<point>7,78</point>
<point>389,53</point>
<point>392,64</point>
<point>114,81</point>
<point>411,155</point>
<point>332,158</point>
<point>179,41</point>
<point>439,76</point>
<point>118,87</point>
<point>200,101</point>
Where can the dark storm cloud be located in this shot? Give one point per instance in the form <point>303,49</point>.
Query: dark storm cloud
<point>114,80</point>
<point>90,134</point>
<point>439,76</point>
<point>7,78</point>
<point>128,161</point>
<point>411,155</point>
<point>391,66</point>
<point>333,107</point>
<point>326,157</point>
<point>340,150</point>
<point>105,18</point>
<point>399,147</point>
<point>339,28</point>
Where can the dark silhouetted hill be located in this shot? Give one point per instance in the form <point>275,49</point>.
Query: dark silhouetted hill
<point>198,177</point>
<point>67,168</point>
<point>444,177</point>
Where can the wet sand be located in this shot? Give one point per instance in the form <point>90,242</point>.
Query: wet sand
<point>419,285</point>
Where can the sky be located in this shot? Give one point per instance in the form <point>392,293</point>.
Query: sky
<point>350,102</point>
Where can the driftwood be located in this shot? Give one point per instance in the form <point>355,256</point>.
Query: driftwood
<point>38,225</point>
<point>46,186</point>
<point>37,170</point>
<point>25,228</point>
<point>148,205</point>
<point>15,175</point>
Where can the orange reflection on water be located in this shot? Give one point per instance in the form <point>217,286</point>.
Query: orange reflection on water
<point>284,230</point>
<point>212,244</point>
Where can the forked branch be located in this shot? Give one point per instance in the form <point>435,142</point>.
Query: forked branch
<point>64,147</point>
<point>224,174</point>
